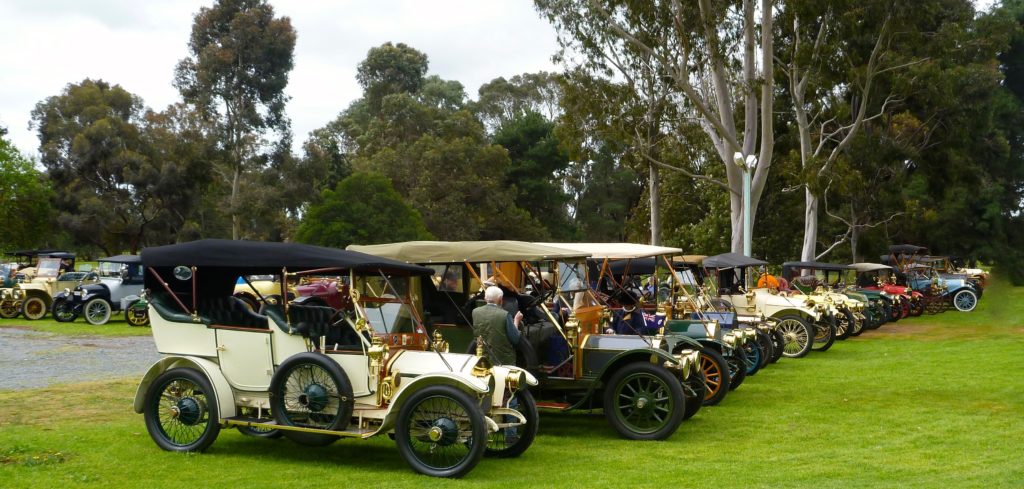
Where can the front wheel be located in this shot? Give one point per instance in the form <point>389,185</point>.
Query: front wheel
<point>695,388</point>
<point>716,375</point>
<point>764,340</point>
<point>824,334</point>
<point>441,432</point>
<point>778,344</point>
<point>752,356</point>
<point>799,337</point>
<point>181,411</point>
<point>64,311</point>
<point>9,310</point>
<point>965,300</point>
<point>512,442</point>
<point>845,323</point>
<point>916,307</point>
<point>33,308</point>
<point>737,360</point>
<point>644,401</point>
<point>97,311</point>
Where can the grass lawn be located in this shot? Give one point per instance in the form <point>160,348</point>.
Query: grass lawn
<point>116,327</point>
<point>935,401</point>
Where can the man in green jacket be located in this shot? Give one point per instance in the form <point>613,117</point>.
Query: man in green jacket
<point>497,327</point>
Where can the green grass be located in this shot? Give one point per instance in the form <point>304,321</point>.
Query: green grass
<point>116,327</point>
<point>927,402</point>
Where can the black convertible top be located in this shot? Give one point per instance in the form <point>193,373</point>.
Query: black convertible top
<point>731,260</point>
<point>907,249</point>
<point>254,255</point>
<point>130,259</point>
<point>816,265</point>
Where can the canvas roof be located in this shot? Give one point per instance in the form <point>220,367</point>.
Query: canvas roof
<point>467,251</point>
<point>816,265</point>
<point>869,267</point>
<point>731,260</point>
<point>617,251</point>
<point>122,259</point>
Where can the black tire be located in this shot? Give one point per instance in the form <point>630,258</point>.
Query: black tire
<point>778,345</point>
<point>33,308</point>
<point>764,340</point>
<point>715,369</point>
<point>440,414</point>
<point>824,334</point>
<point>845,324</point>
<point>798,336</point>
<point>965,300</point>
<point>510,444</point>
<point>310,390</point>
<point>180,410</point>
<point>9,310</point>
<point>136,316</point>
<point>694,390</point>
<point>63,311</point>
<point>753,354</point>
<point>259,432</point>
<point>859,325</point>
<point>916,307</point>
<point>631,411</point>
<point>737,360</point>
<point>96,311</point>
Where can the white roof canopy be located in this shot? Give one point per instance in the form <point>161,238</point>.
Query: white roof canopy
<point>617,251</point>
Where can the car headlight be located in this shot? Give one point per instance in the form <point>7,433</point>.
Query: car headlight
<point>17,294</point>
<point>67,291</point>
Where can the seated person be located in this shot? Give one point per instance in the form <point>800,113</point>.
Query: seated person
<point>630,320</point>
<point>767,280</point>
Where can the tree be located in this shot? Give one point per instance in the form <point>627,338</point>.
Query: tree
<point>501,101</point>
<point>92,147</point>
<point>235,75</point>
<point>363,209</point>
<point>25,194</point>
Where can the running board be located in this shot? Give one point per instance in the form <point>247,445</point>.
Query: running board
<point>258,423</point>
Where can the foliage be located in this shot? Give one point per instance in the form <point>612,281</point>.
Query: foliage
<point>25,195</point>
<point>235,75</point>
<point>363,209</point>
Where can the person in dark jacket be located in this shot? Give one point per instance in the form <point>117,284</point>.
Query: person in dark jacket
<point>630,320</point>
<point>500,331</point>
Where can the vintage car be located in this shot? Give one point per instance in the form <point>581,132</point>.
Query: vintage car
<point>823,282</point>
<point>314,374</point>
<point>116,291</point>
<point>639,381</point>
<point>881,278</point>
<point>618,272</point>
<point>22,269</point>
<point>805,324</point>
<point>33,298</point>
<point>946,265</point>
<point>940,292</point>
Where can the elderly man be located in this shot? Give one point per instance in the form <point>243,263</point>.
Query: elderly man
<point>497,327</point>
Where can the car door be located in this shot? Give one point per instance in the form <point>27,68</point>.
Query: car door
<point>245,357</point>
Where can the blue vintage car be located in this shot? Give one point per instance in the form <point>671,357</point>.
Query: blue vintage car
<point>957,290</point>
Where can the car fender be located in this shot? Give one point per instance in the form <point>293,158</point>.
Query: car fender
<point>653,355</point>
<point>718,345</point>
<point>128,300</point>
<point>221,388</point>
<point>476,387</point>
<point>812,317</point>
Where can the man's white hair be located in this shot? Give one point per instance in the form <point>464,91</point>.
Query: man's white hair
<point>493,294</point>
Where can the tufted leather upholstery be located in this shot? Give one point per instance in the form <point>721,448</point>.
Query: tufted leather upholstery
<point>314,322</point>
<point>230,311</point>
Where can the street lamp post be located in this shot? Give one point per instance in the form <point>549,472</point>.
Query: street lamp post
<point>747,165</point>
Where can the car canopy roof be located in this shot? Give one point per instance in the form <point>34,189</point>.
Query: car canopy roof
<point>816,265</point>
<point>617,251</point>
<point>907,249</point>
<point>31,253</point>
<point>129,259</point>
<point>731,260</point>
<point>869,267</point>
<point>467,251</point>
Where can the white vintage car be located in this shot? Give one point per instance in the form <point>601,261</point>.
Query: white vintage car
<point>315,374</point>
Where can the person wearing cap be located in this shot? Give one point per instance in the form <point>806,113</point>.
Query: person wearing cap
<point>500,331</point>
<point>629,320</point>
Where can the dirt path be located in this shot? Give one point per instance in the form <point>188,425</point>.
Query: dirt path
<point>30,359</point>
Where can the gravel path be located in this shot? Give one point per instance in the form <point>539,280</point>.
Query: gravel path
<point>30,359</point>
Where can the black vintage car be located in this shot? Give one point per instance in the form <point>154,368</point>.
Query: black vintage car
<point>119,289</point>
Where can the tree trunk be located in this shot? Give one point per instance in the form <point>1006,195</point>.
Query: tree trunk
<point>853,235</point>
<point>810,226</point>
<point>236,223</point>
<point>655,185</point>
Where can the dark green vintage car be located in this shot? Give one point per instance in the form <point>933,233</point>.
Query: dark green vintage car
<point>637,380</point>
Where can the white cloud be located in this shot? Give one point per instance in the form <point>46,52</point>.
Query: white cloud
<point>51,43</point>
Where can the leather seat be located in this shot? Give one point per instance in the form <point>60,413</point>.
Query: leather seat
<point>230,311</point>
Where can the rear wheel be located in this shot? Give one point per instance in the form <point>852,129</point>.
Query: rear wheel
<point>644,401</point>
<point>965,300</point>
<point>64,311</point>
<point>798,335</point>
<point>310,390</point>
<point>512,442</point>
<point>916,307</point>
<point>137,315</point>
<point>441,432</point>
<point>181,411</point>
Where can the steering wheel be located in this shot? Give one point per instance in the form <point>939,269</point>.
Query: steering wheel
<point>537,300</point>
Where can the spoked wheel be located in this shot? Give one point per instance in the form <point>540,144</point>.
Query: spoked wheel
<point>965,300</point>
<point>9,310</point>
<point>33,308</point>
<point>904,309</point>
<point>310,390</point>
<point>824,334</point>
<point>933,305</point>
<point>896,310</point>
<point>716,375</point>
<point>181,411</point>
<point>737,360</point>
<point>764,340</point>
<point>137,315</point>
<point>844,324</point>
<point>441,432</point>
<point>63,311</point>
<point>916,307</point>
<point>798,336</point>
<point>694,390</point>
<point>778,344</point>
<point>861,321</point>
<point>752,357</point>
<point>96,311</point>
<point>512,442</point>
<point>644,401</point>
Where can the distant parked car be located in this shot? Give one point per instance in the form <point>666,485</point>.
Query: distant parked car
<point>114,291</point>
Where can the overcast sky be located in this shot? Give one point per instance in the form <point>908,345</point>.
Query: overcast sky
<point>136,44</point>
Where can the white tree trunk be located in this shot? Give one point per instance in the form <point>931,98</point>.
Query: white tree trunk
<point>655,185</point>
<point>810,226</point>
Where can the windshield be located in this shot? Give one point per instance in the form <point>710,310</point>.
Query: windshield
<point>48,267</point>
<point>386,303</point>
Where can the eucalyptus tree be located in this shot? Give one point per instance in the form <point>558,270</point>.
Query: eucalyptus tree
<point>25,193</point>
<point>240,56</point>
